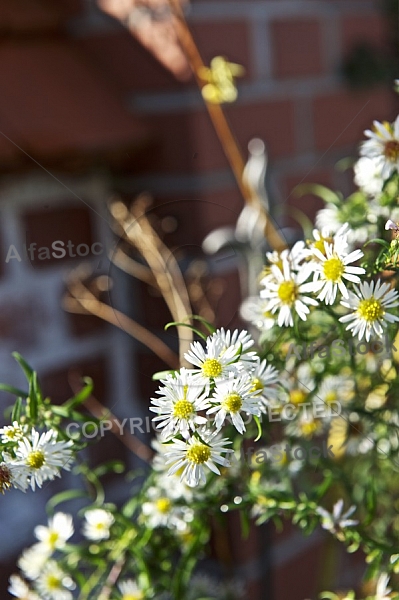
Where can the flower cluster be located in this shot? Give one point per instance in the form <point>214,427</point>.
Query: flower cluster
<point>44,576</point>
<point>287,291</point>
<point>227,381</point>
<point>30,458</point>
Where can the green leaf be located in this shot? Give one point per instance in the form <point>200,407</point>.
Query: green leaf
<point>13,390</point>
<point>179,324</point>
<point>209,327</point>
<point>259,426</point>
<point>16,411</point>
<point>32,401</point>
<point>162,374</point>
<point>82,395</point>
<point>322,191</point>
<point>378,241</point>
<point>24,365</point>
<point>64,497</point>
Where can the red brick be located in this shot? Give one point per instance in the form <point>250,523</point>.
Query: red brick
<point>55,383</point>
<point>187,142</point>
<point>223,38</point>
<point>297,47</point>
<point>48,225</point>
<point>301,582</point>
<point>359,29</point>
<point>340,118</point>
<point>139,71</point>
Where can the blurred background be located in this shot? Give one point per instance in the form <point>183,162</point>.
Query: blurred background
<point>97,101</point>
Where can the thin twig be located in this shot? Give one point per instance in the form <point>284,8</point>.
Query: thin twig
<point>222,128</point>
<point>87,300</point>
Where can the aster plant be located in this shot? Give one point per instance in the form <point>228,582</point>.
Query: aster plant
<point>295,420</point>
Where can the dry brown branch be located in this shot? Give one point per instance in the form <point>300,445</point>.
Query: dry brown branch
<point>132,267</point>
<point>138,230</point>
<point>222,128</point>
<point>87,301</point>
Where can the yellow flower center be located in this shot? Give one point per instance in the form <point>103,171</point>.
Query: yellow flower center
<point>391,150</point>
<point>163,505</point>
<point>297,396</point>
<point>211,367</point>
<point>53,538</point>
<point>138,596</point>
<point>333,269</point>
<point>287,292</point>
<point>53,582</point>
<point>100,526</point>
<point>330,397</point>
<point>232,402</point>
<point>198,453</point>
<point>319,244</point>
<point>183,409</point>
<point>35,459</point>
<point>257,385</point>
<point>370,309</point>
<point>308,428</point>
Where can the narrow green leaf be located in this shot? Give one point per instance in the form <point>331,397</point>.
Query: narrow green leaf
<point>177,324</point>
<point>378,241</point>
<point>24,365</point>
<point>64,497</point>
<point>318,190</point>
<point>82,395</point>
<point>162,375</point>
<point>13,390</point>
<point>208,325</point>
<point>16,411</point>
<point>259,426</point>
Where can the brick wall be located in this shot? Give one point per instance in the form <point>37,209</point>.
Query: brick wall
<point>294,98</point>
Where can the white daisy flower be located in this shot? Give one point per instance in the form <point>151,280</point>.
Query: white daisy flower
<point>382,591</point>
<point>195,454</point>
<point>254,310</point>
<point>383,144</point>
<point>130,590</point>
<point>326,236</point>
<point>59,530</point>
<point>329,218</point>
<point>336,520</point>
<point>33,560</point>
<point>368,175</point>
<point>43,456</point>
<point>263,379</point>
<point>232,396</point>
<point>12,433</point>
<point>160,511</point>
<point>335,389</point>
<point>54,583</point>
<point>369,303</point>
<point>294,256</point>
<point>332,267</point>
<point>13,475</point>
<point>181,398</point>
<point>216,361</point>
<point>20,589</point>
<point>242,341</point>
<point>286,293</point>
<point>98,523</point>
